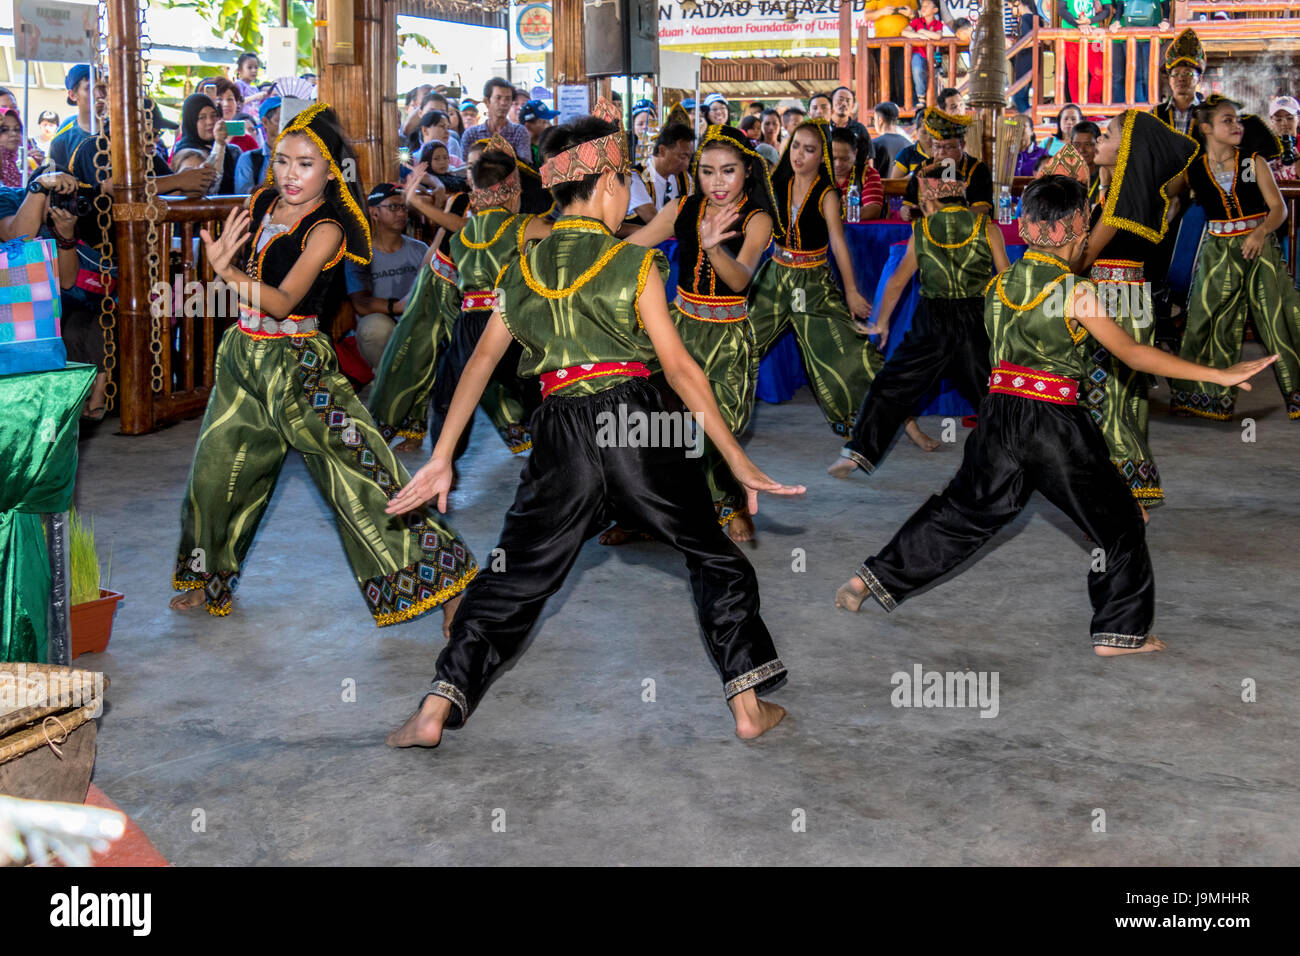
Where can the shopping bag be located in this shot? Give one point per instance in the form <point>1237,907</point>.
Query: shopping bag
<point>29,307</point>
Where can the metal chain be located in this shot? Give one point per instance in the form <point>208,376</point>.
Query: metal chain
<point>103,204</point>
<point>153,253</point>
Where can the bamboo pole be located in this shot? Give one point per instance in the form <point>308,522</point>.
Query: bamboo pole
<point>128,153</point>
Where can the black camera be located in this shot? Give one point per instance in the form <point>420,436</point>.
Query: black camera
<point>1289,155</point>
<point>80,203</point>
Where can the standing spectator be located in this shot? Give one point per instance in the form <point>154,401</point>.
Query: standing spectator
<point>379,289</point>
<point>516,105</point>
<point>251,167</point>
<point>536,117</point>
<point>1083,137</point>
<point>843,108</point>
<point>11,145</point>
<point>231,103</point>
<point>1065,120</point>
<point>47,124</point>
<point>435,128</point>
<point>718,110</point>
<point>469,115</point>
<point>889,140</point>
<point>77,129</point>
<point>926,25</point>
<point>752,128</point>
<point>246,68</point>
<point>1283,112</point>
<point>1184,63</point>
<point>499,95</point>
<point>755,109</point>
<point>770,124</point>
<point>1085,16</point>
<point>790,120</point>
<point>202,129</point>
<point>889,18</point>
<point>643,117</point>
<point>1136,13</point>
<point>819,106</point>
<point>665,171</point>
<point>1025,14</point>
<point>912,157</point>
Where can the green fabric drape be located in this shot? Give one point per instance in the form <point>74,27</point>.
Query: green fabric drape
<point>38,438</point>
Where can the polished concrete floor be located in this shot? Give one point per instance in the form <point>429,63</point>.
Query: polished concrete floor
<point>230,741</point>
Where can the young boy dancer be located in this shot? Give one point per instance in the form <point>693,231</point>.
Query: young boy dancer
<point>1033,435</point>
<point>956,252</point>
<point>592,317</point>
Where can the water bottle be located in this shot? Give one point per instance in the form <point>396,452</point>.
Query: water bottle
<point>855,204</point>
<point>1005,215</point>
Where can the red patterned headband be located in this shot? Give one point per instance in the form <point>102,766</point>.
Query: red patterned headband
<point>1054,234</point>
<point>507,190</point>
<point>592,157</point>
<point>940,187</point>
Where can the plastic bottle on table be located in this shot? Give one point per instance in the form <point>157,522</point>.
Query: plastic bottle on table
<point>854,205</point>
<point>1005,209</point>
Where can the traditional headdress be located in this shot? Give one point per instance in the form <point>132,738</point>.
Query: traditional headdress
<point>941,125</point>
<point>939,187</point>
<point>506,192</point>
<point>758,183</point>
<point>1186,48</point>
<point>1257,137</point>
<point>678,114</point>
<point>594,156</point>
<point>784,171</point>
<point>1070,163</point>
<point>1151,154</point>
<point>320,124</point>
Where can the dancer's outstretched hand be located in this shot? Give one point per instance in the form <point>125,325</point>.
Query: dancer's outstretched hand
<point>1237,374</point>
<point>233,236</point>
<point>714,231</point>
<point>431,481</point>
<point>749,475</point>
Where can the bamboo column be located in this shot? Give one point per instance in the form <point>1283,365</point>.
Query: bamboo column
<point>570,53</point>
<point>125,96</point>
<point>358,91</point>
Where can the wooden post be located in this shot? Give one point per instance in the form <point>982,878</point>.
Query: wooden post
<point>846,51</point>
<point>134,322</point>
<point>360,91</point>
<point>570,53</point>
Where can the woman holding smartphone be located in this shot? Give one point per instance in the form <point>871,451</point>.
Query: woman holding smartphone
<point>202,129</point>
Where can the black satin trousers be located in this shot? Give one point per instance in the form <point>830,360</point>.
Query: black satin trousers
<point>947,339</point>
<point>570,488</point>
<point>1021,446</point>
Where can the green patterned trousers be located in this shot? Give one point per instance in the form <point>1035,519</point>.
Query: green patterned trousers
<point>727,354</point>
<point>839,362</point>
<point>274,394</point>
<point>1116,396</point>
<point>1227,291</point>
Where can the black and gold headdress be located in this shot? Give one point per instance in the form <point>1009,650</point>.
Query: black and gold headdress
<point>1186,48</point>
<point>1151,155</point>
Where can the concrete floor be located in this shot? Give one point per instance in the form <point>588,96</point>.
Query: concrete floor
<point>229,742</point>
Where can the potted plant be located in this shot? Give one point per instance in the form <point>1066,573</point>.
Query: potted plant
<point>93,605</point>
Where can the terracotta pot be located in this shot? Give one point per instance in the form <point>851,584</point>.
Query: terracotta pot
<point>91,623</point>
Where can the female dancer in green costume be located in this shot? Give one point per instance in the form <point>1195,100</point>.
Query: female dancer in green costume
<point>795,289</point>
<point>722,230</point>
<point>1241,274</point>
<point>278,387</point>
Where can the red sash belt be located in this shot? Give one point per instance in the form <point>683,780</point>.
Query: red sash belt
<point>1234,227</point>
<point>259,325</point>
<point>1040,386</point>
<point>443,267</point>
<point>1116,270</point>
<point>799,258</point>
<point>473,301</point>
<point>560,378</point>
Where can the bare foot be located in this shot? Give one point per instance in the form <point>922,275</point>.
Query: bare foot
<point>919,438</point>
<point>449,609</point>
<point>424,727</point>
<point>741,527</point>
<point>1153,643</point>
<point>842,468</point>
<point>851,594</point>
<point>411,444</point>
<point>754,717</point>
<point>188,599</point>
<point>615,535</point>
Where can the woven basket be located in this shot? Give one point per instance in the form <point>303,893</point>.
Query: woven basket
<point>70,696</point>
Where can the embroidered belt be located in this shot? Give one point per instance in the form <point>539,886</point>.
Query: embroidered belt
<point>1117,270</point>
<point>1040,386</point>
<point>1234,227</point>
<point>258,323</point>
<point>562,377</point>
<point>474,301</point>
<point>799,258</point>
<point>444,268</point>
<point>712,308</point>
